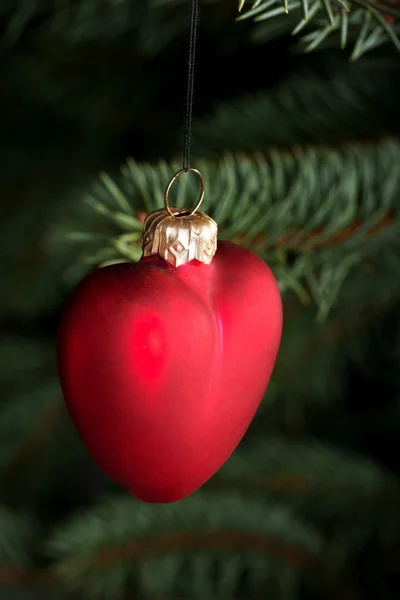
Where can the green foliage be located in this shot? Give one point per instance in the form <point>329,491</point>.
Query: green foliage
<point>259,533</point>
<point>367,24</point>
<point>332,478</point>
<point>211,539</point>
<point>308,505</point>
<point>356,188</point>
<point>341,493</point>
<point>83,21</point>
<point>333,103</point>
<point>328,101</point>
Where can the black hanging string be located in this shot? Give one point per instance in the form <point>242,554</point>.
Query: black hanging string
<point>188,127</point>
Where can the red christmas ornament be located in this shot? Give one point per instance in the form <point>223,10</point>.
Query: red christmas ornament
<point>163,367</point>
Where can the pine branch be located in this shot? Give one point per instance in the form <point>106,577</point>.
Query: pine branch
<point>83,20</point>
<point>190,541</point>
<point>308,467</point>
<point>310,241</point>
<point>99,551</point>
<point>80,21</point>
<point>335,489</point>
<point>124,538</point>
<point>133,551</point>
<point>276,200</point>
<point>368,24</point>
<point>336,103</point>
<point>308,106</point>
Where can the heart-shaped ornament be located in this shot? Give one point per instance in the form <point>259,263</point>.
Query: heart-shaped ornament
<point>164,367</point>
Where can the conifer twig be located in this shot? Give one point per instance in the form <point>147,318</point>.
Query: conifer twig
<point>296,240</point>
<point>356,13</point>
<point>290,483</point>
<point>189,540</point>
<point>176,541</point>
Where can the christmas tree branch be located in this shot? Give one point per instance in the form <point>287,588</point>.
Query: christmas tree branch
<point>46,580</point>
<point>330,103</point>
<point>132,551</point>
<point>329,205</point>
<point>85,20</point>
<point>311,241</point>
<point>288,484</point>
<point>121,533</point>
<point>124,532</point>
<point>278,466</point>
<point>80,21</point>
<point>334,103</point>
<point>194,541</point>
<point>295,484</point>
<point>368,24</point>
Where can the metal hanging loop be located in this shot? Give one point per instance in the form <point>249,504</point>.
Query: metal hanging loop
<point>200,200</point>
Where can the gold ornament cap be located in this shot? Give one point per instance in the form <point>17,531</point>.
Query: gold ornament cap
<point>179,235</point>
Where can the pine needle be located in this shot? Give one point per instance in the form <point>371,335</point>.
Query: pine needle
<point>328,10</point>
<point>344,27</point>
<point>305,9</point>
<point>320,36</point>
<point>313,11</point>
<point>278,11</point>
<point>358,48</point>
<point>257,9</point>
<point>344,5</point>
<point>389,30</point>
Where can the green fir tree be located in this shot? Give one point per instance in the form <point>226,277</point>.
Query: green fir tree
<point>296,132</point>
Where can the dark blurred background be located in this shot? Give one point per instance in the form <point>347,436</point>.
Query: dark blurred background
<point>308,507</point>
